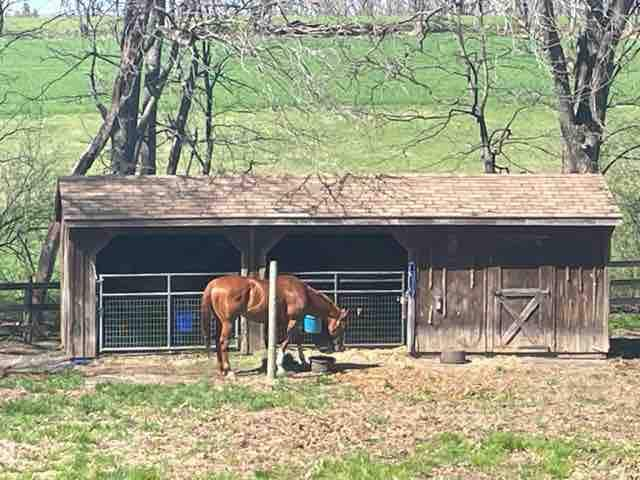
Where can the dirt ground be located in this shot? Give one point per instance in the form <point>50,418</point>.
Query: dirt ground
<point>385,403</point>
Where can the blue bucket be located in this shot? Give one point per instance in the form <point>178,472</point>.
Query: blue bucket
<point>184,321</point>
<point>312,324</point>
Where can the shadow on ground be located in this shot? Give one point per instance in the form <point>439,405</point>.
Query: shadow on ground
<point>294,367</point>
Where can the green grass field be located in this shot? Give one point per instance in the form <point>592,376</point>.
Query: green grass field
<point>319,121</point>
<point>46,71</point>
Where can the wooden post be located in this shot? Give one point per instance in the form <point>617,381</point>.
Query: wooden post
<point>411,304</point>
<point>28,312</point>
<point>271,356</point>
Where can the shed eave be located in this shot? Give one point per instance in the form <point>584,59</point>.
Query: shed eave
<point>339,221</point>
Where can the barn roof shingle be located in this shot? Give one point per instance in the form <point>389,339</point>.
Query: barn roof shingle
<point>406,199</point>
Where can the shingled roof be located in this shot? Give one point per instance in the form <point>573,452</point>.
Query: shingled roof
<point>382,199</point>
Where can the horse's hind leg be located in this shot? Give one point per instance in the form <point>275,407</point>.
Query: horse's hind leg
<point>224,348</point>
<point>296,334</point>
<point>219,347</point>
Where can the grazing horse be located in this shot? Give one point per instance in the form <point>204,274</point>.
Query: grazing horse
<point>232,296</point>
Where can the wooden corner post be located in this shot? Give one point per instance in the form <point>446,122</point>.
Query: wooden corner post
<point>271,357</point>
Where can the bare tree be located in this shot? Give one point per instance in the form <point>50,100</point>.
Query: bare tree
<point>153,80</point>
<point>583,89</point>
<point>125,134</point>
<point>5,7</point>
<point>123,86</point>
<point>25,186</point>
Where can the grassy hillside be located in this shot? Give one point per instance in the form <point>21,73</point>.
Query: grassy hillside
<point>50,72</point>
<point>333,118</point>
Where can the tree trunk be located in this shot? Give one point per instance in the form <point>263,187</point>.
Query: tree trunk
<point>208,119</point>
<point>46,263</point>
<point>84,29</point>
<point>180,123</point>
<point>131,53</point>
<point>487,156</point>
<point>582,110</point>
<point>123,160</point>
<point>152,87</point>
<point>2,15</point>
<point>125,137</point>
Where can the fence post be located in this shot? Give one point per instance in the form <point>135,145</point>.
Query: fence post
<point>411,307</point>
<point>28,305</point>
<point>169,311</point>
<point>271,346</point>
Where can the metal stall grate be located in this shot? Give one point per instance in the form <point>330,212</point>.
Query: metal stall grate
<point>377,294</point>
<point>145,312</point>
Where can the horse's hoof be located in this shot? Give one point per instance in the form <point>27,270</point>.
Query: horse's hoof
<point>231,375</point>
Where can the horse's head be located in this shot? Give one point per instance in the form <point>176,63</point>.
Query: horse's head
<point>337,324</point>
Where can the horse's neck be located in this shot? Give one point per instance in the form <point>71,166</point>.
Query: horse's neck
<point>322,304</point>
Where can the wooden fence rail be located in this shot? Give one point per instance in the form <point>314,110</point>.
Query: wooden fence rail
<point>626,301</point>
<point>27,307</point>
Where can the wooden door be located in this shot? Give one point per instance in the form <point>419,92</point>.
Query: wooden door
<point>451,313</point>
<point>520,309</point>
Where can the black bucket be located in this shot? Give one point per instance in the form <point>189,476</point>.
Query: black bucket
<point>453,357</point>
<point>322,364</point>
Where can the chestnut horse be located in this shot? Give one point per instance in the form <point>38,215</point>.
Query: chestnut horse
<point>232,296</point>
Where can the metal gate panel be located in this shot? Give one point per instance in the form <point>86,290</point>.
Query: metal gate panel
<point>134,321</point>
<point>166,318</point>
<point>380,321</point>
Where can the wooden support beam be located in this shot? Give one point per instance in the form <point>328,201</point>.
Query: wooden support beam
<point>78,293</point>
<point>243,241</point>
<point>254,245</point>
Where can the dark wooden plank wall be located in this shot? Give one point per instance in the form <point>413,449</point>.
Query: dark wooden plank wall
<point>571,318</point>
<point>582,310</point>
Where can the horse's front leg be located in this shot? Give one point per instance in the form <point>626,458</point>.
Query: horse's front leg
<point>283,347</point>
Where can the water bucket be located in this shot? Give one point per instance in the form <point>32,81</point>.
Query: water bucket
<point>184,321</point>
<point>312,324</point>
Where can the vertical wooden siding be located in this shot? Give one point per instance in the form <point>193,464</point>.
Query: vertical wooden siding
<point>570,315</point>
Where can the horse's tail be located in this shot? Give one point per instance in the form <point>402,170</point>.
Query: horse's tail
<point>206,312</point>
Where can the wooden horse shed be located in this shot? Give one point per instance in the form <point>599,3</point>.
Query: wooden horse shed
<point>503,263</point>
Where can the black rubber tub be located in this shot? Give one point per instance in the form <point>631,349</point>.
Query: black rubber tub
<point>322,363</point>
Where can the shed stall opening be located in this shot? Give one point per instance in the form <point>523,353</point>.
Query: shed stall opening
<point>360,269</point>
<point>150,284</point>
<point>504,263</point>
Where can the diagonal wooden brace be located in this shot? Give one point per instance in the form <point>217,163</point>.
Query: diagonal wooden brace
<point>519,319</point>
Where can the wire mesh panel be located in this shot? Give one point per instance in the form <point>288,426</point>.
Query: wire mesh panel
<point>379,321</point>
<point>185,321</point>
<point>134,322</point>
<point>153,311</point>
